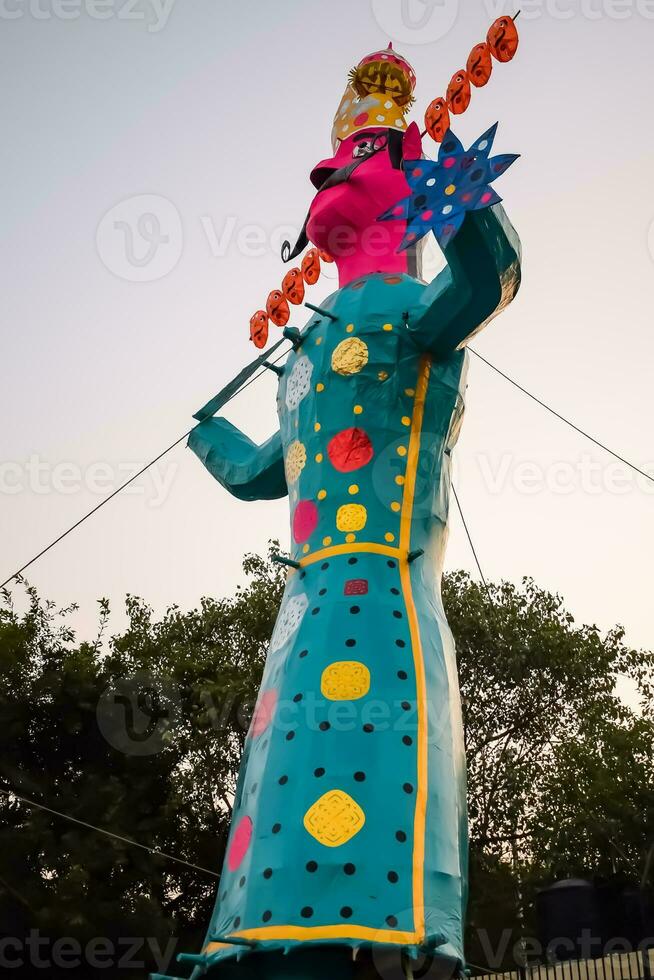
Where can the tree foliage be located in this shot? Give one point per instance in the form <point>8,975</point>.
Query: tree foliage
<point>141,734</point>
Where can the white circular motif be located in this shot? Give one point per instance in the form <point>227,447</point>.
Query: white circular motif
<point>380,118</point>
<point>288,621</point>
<point>298,385</point>
<point>447,209</point>
<point>483,144</point>
<point>431,182</point>
<point>388,105</point>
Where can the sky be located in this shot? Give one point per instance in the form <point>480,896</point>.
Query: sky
<point>155,153</point>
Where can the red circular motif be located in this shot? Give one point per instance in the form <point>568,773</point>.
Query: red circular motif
<point>240,844</point>
<point>350,450</point>
<point>361,119</point>
<point>263,713</point>
<point>305,520</point>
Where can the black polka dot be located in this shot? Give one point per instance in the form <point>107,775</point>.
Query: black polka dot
<point>324,726</point>
<point>355,609</point>
<point>306,912</point>
<point>237,921</point>
<point>323,592</point>
<point>368,728</point>
<point>350,643</point>
<point>346,912</point>
<point>298,697</point>
<point>349,869</point>
<point>352,561</point>
<point>420,200</point>
<point>253,788</point>
<point>314,612</point>
<point>397,614</point>
<point>312,867</point>
<point>283,780</point>
<point>393,877</point>
<point>406,706</point>
<point>402,674</point>
<point>277,827</point>
<point>449,146</point>
<point>268,873</point>
<point>267,916</point>
<point>303,574</point>
<point>400,836</point>
<point>407,740</point>
<point>290,736</point>
<point>241,882</point>
<point>398,643</point>
<point>303,653</point>
<point>408,788</point>
<point>319,772</point>
<point>395,591</point>
<point>391,563</point>
<point>391,921</point>
<point>360,777</point>
<point>325,566</point>
<point>476,174</point>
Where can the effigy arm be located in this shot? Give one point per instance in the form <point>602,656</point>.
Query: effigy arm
<point>248,471</point>
<point>481,279</point>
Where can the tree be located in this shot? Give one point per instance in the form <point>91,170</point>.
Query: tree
<point>557,763</point>
<point>142,734</point>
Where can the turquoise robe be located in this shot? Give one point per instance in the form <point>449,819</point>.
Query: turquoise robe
<point>349,823</point>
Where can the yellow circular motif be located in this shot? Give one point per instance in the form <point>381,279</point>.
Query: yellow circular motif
<point>449,190</point>
<point>358,409</point>
<point>320,387</point>
<point>387,326</point>
<point>327,541</point>
<point>350,538</point>
<point>389,537</point>
<point>319,457</point>
<point>401,450</point>
<point>318,341</point>
<point>345,680</point>
<point>399,480</point>
<point>316,427</point>
<point>349,328</point>
<point>353,489</point>
<point>383,375</point>
<point>351,517</point>
<point>322,494</point>
<point>395,506</point>
<point>296,457</point>
<point>305,548</point>
<point>406,420</point>
<point>410,392</point>
<point>350,356</point>
<point>334,819</point>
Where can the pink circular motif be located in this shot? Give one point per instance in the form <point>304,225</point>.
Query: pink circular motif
<point>449,162</point>
<point>240,844</point>
<point>485,197</point>
<point>305,520</point>
<point>263,713</point>
<point>426,215</point>
<point>361,119</point>
<point>417,172</point>
<point>399,210</point>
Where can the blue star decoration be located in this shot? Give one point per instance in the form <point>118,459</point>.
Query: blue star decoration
<point>443,190</point>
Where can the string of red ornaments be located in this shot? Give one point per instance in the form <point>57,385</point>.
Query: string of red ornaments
<point>501,43</point>
<point>292,291</point>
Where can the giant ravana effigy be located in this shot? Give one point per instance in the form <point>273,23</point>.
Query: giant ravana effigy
<point>349,839</point>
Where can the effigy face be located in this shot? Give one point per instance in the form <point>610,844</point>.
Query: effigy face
<point>343,219</point>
